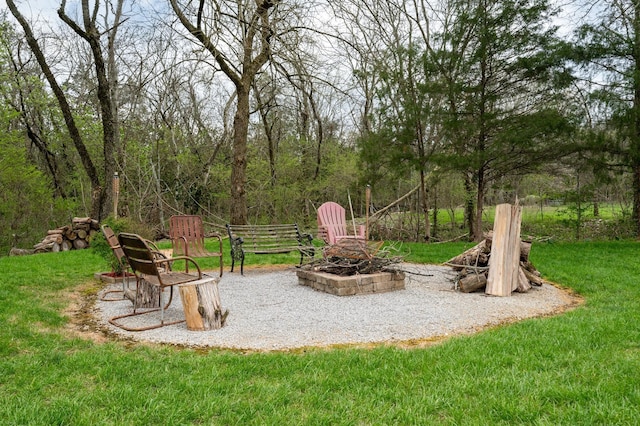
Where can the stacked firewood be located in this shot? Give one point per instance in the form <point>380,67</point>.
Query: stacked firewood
<point>473,267</point>
<point>69,237</point>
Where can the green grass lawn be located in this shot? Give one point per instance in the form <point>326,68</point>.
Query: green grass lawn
<point>581,367</point>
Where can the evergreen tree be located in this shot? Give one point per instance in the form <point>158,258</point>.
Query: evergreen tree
<point>608,47</point>
<point>505,111</point>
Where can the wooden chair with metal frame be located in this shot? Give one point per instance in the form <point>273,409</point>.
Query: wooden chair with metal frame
<point>148,265</point>
<point>187,238</point>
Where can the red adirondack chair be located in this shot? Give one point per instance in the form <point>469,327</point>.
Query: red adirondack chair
<point>333,226</point>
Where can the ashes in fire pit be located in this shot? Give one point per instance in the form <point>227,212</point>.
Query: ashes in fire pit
<point>353,266</point>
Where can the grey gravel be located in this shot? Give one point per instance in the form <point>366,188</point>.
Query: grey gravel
<point>269,310</point>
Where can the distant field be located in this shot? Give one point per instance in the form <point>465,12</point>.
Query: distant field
<point>561,222</point>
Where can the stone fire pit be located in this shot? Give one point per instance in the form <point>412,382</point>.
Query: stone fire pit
<point>353,284</point>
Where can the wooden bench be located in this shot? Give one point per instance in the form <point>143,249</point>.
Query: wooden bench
<point>268,239</point>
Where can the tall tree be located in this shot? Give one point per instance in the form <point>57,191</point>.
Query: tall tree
<point>471,84</point>
<point>608,47</point>
<point>503,80</point>
<point>238,35</point>
<point>26,94</point>
<point>399,136</point>
<point>90,30</point>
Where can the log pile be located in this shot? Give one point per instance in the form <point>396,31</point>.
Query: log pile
<point>473,267</point>
<point>69,237</point>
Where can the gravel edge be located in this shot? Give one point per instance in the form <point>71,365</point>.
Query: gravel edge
<point>269,310</point>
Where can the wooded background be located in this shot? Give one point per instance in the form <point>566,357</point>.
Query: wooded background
<point>259,110</point>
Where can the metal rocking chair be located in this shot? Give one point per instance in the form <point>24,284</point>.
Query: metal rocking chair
<point>148,266</point>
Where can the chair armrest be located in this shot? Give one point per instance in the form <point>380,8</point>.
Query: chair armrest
<point>175,243</point>
<point>306,236</point>
<point>185,258</point>
<point>236,241</point>
<point>152,245</point>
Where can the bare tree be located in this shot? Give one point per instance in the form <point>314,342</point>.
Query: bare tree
<point>238,35</point>
<point>89,29</point>
<point>387,38</point>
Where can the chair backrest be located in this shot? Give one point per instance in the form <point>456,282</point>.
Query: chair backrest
<point>113,242</point>
<point>139,255</point>
<point>332,221</point>
<point>187,235</point>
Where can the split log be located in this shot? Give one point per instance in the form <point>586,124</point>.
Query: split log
<point>523,283</point>
<point>477,261</point>
<point>525,249</point>
<point>201,304</point>
<point>504,267</point>
<point>81,227</point>
<point>476,256</point>
<point>67,237</point>
<point>472,282</point>
<point>55,238</point>
<point>43,246</point>
<point>533,277</point>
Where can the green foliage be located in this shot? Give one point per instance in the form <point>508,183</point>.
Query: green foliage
<point>607,47</point>
<point>27,208</point>
<point>100,246</point>
<point>295,190</point>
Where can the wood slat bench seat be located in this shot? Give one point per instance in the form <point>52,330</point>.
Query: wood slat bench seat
<point>268,239</point>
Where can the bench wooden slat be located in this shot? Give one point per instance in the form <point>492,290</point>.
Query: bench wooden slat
<point>268,239</point>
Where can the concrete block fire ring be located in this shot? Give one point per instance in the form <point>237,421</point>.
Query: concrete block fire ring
<point>351,285</point>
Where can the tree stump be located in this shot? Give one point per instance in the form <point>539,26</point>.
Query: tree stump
<point>201,304</point>
<point>148,295</point>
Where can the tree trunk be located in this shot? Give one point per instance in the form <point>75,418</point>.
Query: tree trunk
<point>477,236</point>
<point>148,295</point>
<point>636,198</point>
<point>424,194</point>
<point>67,113</point>
<point>469,211</point>
<point>239,166</point>
<point>472,282</point>
<point>635,139</point>
<point>255,45</point>
<point>101,194</point>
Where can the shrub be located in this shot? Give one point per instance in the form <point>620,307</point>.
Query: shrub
<point>100,245</point>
